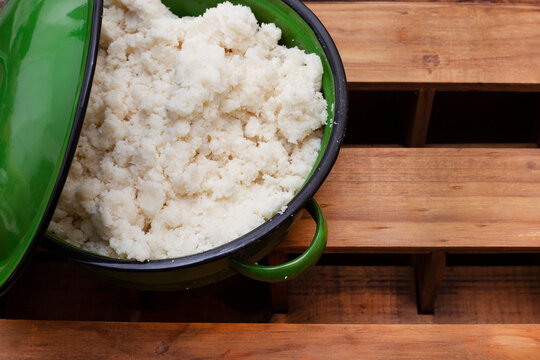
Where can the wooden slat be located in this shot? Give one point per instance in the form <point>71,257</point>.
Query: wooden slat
<point>429,271</point>
<point>414,200</point>
<point>491,294</point>
<point>353,295</point>
<point>356,294</point>
<point>324,294</point>
<point>419,120</point>
<point>52,340</point>
<point>388,45</point>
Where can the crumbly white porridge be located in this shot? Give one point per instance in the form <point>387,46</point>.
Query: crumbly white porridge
<point>197,131</point>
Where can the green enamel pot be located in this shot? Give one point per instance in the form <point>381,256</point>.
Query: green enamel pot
<point>47,60</point>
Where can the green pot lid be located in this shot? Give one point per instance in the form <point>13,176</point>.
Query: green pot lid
<point>48,51</point>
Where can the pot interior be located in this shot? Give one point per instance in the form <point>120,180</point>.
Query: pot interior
<point>295,32</point>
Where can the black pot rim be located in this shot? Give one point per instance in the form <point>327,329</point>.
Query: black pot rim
<point>295,205</point>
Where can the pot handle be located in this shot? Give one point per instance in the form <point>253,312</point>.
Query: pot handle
<point>294,267</point>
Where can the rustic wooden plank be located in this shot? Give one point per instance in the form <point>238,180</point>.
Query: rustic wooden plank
<point>419,119</point>
<point>49,339</point>
<point>490,294</point>
<point>324,294</point>
<point>429,270</point>
<point>353,294</point>
<point>385,295</point>
<point>417,200</point>
<point>387,45</point>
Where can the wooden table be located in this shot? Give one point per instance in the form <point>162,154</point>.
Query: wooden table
<point>407,59</point>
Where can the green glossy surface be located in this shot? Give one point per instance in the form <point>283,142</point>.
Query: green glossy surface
<point>294,267</point>
<point>43,51</point>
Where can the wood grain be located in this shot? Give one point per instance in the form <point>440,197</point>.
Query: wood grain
<point>324,294</point>
<point>353,294</point>
<point>489,294</point>
<point>417,200</point>
<point>429,271</point>
<point>385,295</point>
<point>420,117</point>
<point>386,45</point>
<point>74,340</point>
